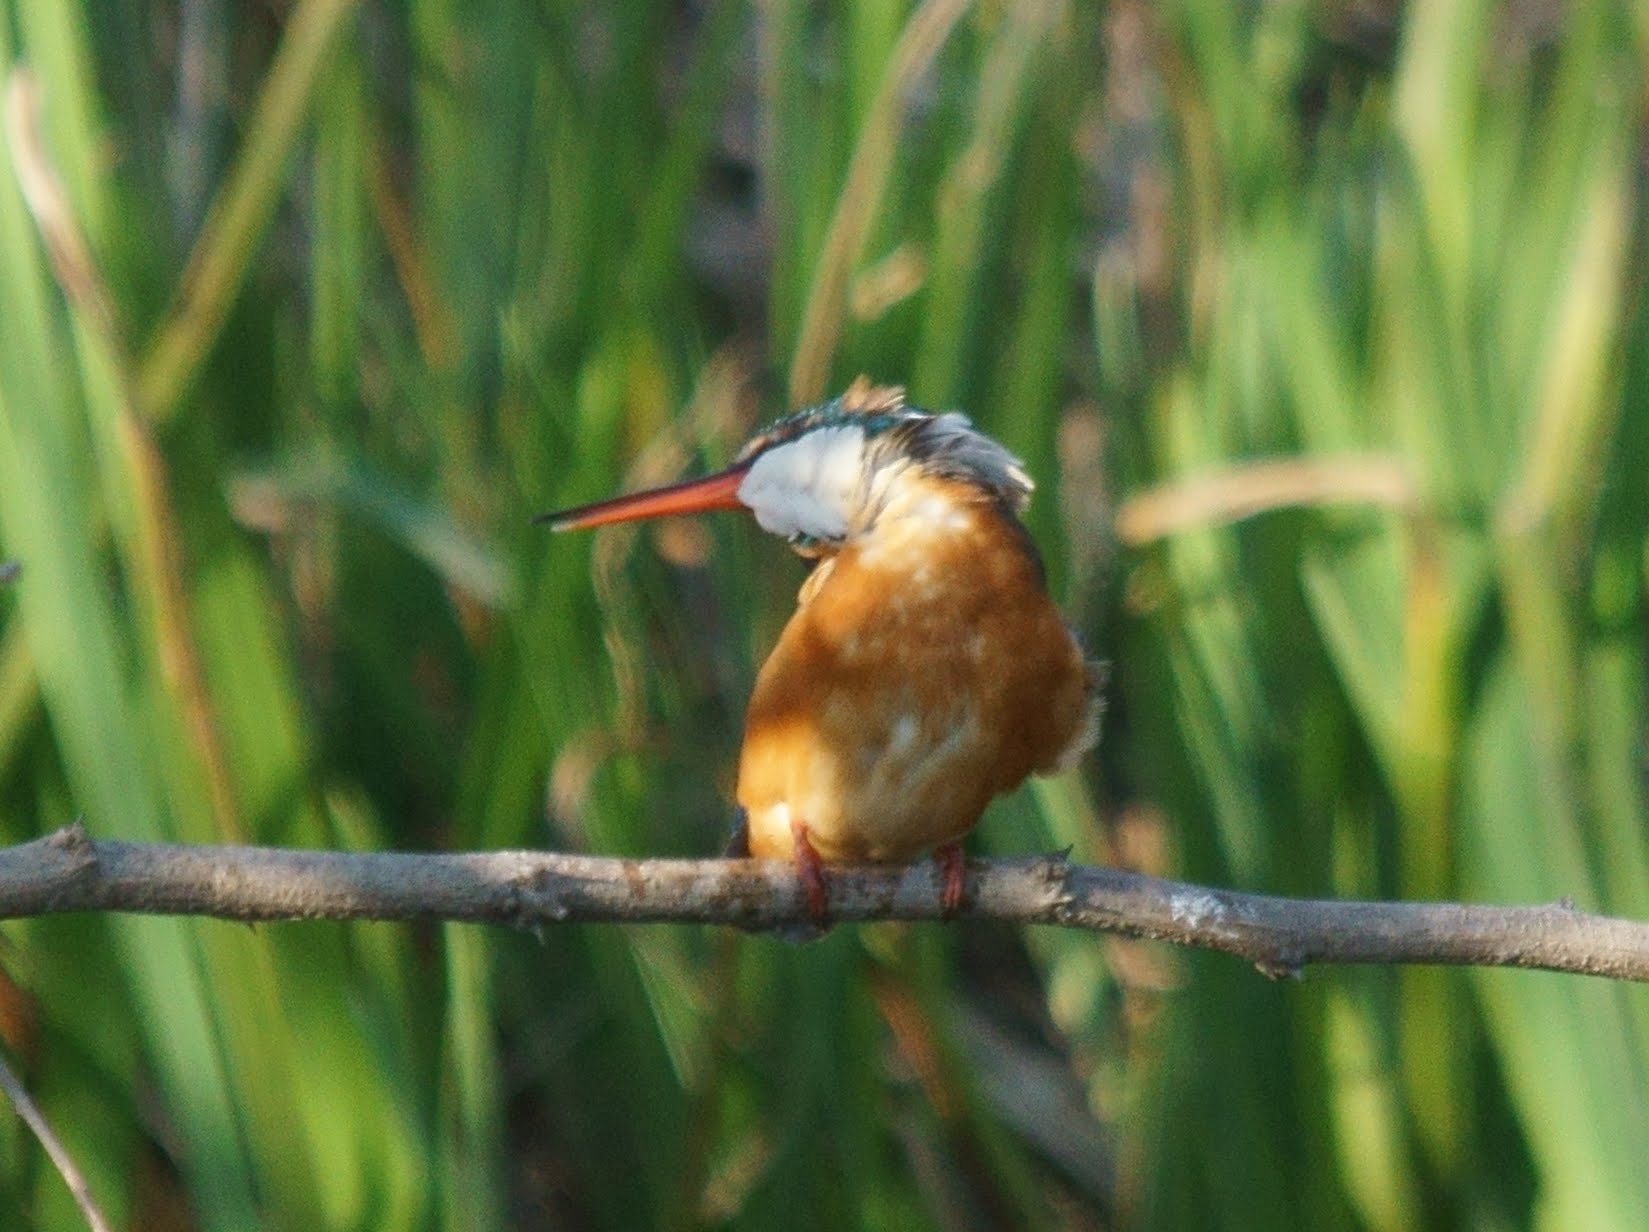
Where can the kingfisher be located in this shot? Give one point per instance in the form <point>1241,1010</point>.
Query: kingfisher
<point>926,669</point>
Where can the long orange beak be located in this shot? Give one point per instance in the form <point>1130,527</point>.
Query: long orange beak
<point>718,491</point>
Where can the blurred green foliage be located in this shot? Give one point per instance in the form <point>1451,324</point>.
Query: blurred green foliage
<point>304,309</point>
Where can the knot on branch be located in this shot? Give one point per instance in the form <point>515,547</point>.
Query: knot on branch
<point>1280,967</point>
<point>73,841</point>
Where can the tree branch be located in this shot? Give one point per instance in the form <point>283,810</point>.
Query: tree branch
<point>70,871</point>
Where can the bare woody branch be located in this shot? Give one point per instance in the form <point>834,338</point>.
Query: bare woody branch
<point>70,871</point>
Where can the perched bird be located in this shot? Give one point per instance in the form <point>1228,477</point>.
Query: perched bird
<point>925,670</point>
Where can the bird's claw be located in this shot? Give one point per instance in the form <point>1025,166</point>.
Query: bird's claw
<point>738,840</point>
<point>953,878</point>
<point>810,868</point>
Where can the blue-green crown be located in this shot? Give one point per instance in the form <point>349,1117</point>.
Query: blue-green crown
<point>945,444</point>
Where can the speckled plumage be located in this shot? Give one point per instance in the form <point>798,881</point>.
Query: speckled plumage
<point>823,475</point>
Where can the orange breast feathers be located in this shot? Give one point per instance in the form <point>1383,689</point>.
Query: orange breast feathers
<point>926,672</point>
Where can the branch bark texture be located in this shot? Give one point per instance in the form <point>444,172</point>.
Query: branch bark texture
<point>70,871</point>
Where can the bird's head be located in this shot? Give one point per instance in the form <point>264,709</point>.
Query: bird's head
<point>824,475</point>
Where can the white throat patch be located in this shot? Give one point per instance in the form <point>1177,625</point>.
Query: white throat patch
<point>808,486</point>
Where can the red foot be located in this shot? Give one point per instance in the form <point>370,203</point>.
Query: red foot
<point>811,870</point>
<point>953,873</point>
